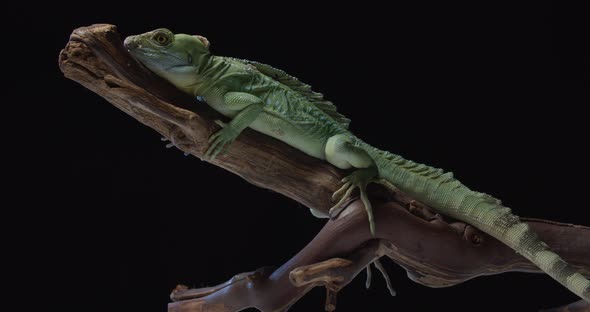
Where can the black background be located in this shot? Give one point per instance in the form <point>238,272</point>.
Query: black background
<point>494,92</point>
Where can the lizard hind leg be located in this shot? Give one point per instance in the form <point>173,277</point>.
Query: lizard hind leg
<point>342,153</point>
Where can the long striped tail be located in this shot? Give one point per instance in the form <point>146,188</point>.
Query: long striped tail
<point>448,196</point>
<point>499,222</point>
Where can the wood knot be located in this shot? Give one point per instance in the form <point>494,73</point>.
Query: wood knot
<point>476,239</point>
<point>180,287</point>
<point>473,235</point>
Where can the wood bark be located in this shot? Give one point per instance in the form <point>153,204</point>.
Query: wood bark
<point>424,243</point>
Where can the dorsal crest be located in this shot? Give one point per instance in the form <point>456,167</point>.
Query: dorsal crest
<point>316,98</point>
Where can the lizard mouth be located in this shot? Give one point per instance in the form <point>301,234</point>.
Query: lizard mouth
<point>145,54</point>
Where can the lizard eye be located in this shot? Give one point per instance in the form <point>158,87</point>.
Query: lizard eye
<point>161,38</point>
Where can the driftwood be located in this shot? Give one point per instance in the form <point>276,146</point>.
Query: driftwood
<point>407,231</point>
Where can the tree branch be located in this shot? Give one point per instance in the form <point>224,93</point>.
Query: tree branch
<point>96,58</point>
<point>400,232</point>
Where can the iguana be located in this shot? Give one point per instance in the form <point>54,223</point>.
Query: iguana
<point>270,101</point>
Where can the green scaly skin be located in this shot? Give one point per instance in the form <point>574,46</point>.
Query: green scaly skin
<point>270,101</point>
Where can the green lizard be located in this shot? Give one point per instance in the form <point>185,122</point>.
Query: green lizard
<point>270,101</point>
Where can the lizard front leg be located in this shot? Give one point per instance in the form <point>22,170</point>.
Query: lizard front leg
<point>248,107</point>
<point>342,153</point>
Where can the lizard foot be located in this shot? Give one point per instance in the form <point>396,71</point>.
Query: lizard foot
<point>220,139</point>
<point>360,178</point>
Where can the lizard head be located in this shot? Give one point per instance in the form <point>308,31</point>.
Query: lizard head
<point>175,57</point>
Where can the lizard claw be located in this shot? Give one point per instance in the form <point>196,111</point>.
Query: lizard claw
<point>220,140</point>
<point>360,178</point>
<point>387,184</point>
<point>343,192</point>
<point>220,123</point>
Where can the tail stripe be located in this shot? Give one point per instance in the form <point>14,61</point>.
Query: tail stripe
<point>447,195</point>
